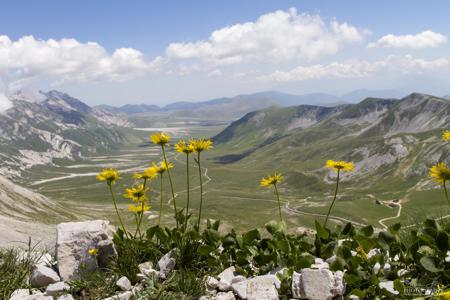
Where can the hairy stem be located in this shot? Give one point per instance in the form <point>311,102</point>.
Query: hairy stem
<point>279,203</point>
<point>334,199</point>
<point>117,210</point>
<point>171,184</point>
<point>446,193</point>
<point>187,191</point>
<point>142,213</point>
<point>201,191</point>
<point>161,198</point>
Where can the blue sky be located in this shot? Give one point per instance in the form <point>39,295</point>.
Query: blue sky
<point>164,51</point>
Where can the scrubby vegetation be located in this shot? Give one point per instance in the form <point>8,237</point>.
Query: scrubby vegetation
<point>416,259</point>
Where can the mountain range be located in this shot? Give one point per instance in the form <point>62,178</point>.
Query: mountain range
<point>54,125</point>
<point>237,106</point>
<point>392,142</point>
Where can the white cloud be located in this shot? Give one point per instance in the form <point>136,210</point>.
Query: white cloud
<point>215,73</point>
<point>276,36</point>
<point>425,39</point>
<point>70,60</point>
<point>4,101</point>
<point>358,69</point>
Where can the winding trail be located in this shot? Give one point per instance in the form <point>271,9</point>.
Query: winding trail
<point>399,212</point>
<point>208,179</point>
<point>297,211</point>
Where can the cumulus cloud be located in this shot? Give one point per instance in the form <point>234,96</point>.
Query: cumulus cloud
<point>70,60</point>
<point>276,36</point>
<point>358,69</point>
<point>425,39</point>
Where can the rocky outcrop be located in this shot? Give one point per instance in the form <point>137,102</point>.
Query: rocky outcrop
<point>74,242</point>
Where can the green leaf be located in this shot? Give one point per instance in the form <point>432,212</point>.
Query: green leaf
<point>251,236</point>
<point>204,250</point>
<point>347,229</point>
<point>274,227</point>
<point>394,228</point>
<point>367,230</point>
<point>398,286</point>
<point>321,231</point>
<point>283,246</point>
<point>428,264</point>
<point>442,241</point>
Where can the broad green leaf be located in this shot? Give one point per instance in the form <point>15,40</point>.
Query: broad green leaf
<point>321,231</point>
<point>367,230</point>
<point>428,264</point>
<point>442,241</point>
<point>251,236</point>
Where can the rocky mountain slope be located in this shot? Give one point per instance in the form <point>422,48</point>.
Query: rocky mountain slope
<point>54,125</point>
<point>25,213</point>
<point>391,141</point>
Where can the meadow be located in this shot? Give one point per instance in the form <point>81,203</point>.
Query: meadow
<point>232,191</point>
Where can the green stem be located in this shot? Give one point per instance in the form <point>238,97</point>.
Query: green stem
<point>279,203</point>
<point>446,193</point>
<point>334,199</point>
<point>117,210</point>
<point>161,199</point>
<point>201,191</point>
<point>142,213</point>
<point>187,191</point>
<point>171,184</point>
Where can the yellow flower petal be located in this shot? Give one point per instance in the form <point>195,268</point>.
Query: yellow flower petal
<point>339,165</point>
<point>270,180</point>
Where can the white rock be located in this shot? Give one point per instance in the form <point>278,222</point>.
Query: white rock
<point>124,283</point>
<point>211,282</point>
<point>225,278</point>
<point>386,268</point>
<point>66,297</point>
<point>145,267</point>
<point>317,284</point>
<point>331,259</point>
<point>205,298</point>
<point>296,293</point>
<point>166,265</point>
<point>225,296</point>
<point>373,252</point>
<point>238,278</point>
<point>74,239</point>
<point>57,287</point>
<point>261,288</point>
<point>39,297</point>
<point>20,294</point>
<point>240,289</point>
<point>376,268</point>
<point>121,296</point>
<point>388,286</point>
<point>42,276</point>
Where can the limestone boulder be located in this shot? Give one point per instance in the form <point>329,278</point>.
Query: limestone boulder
<point>73,242</point>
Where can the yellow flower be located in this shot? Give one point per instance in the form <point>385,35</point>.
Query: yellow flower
<point>160,138</point>
<point>201,144</point>
<point>446,135</point>
<point>148,174</point>
<point>162,167</point>
<point>361,253</point>
<point>444,295</point>
<point>138,208</point>
<point>108,175</point>
<point>183,147</point>
<point>339,165</point>
<point>93,251</point>
<point>440,173</point>
<point>137,193</point>
<point>271,180</point>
